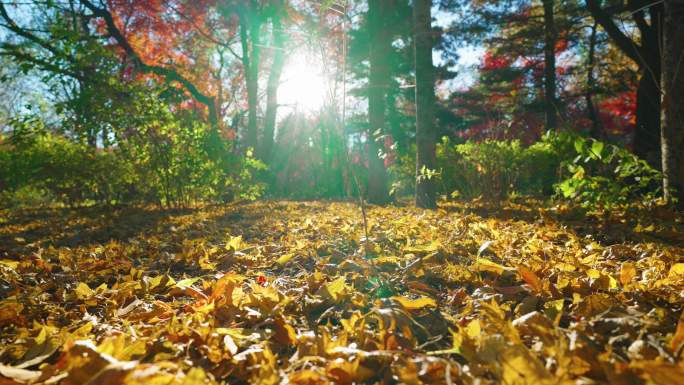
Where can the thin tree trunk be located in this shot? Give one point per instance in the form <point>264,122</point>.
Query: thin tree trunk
<point>425,100</point>
<point>272,87</point>
<point>379,42</point>
<point>596,126</point>
<point>672,129</point>
<point>550,36</point>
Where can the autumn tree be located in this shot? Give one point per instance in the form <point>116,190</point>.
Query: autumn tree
<point>672,130</point>
<point>425,99</point>
<point>522,88</point>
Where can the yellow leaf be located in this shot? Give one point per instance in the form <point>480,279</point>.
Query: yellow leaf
<point>83,291</point>
<point>474,329</point>
<point>521,367</point>
<point>676,270</point>
<point>593,274</point>
<point>235,243</point>
<point>195,376</point>
<point>627,273</point>
<point>185,283</point>
<point>335,290</point>
<point>482,264</point>
<point>429,248</point>
<point>415,304</point>
<point>9,263</point>
<point>285,334</point>
<point>285,259</point>
<point>594,304</point>
<point>161,282</point>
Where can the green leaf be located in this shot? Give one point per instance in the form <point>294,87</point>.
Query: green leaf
<point>597,148</point>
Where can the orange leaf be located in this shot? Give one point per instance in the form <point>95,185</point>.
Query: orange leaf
<point>678,338</point>
<point>530,278</point>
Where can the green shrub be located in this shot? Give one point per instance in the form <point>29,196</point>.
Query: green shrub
<point>26,196</point>
<point>606,176</point>
<point>166,163</point>
<point>492,169</point>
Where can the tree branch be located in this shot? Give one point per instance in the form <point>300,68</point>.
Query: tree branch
<point>626,45</point>
<point>169,74</point>
<point>14,27</point>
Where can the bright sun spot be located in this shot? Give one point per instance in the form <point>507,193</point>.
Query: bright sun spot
<point>304,84</point>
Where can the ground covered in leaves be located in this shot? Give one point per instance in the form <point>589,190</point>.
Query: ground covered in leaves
<point>289,292</point>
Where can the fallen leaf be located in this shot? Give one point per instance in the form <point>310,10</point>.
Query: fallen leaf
<point>415,304</point>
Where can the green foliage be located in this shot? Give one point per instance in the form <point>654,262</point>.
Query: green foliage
<point>607,176</point>
<point>583,170</point>
<point>164,162</point>
<point>51,167</point>
<point>490,169</point>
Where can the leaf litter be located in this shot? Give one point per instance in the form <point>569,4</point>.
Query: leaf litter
<point>289,293</point>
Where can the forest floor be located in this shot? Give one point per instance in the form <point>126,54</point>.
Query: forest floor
<point>289,292</point>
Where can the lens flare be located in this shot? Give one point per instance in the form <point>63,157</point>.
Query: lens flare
<point>303,85</point>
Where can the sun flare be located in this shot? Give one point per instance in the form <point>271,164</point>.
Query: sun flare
<point>304,85</point>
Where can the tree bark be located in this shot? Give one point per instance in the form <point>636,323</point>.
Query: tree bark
<point>380,43</point>
<point>550,36</point>
<point>647,130</point>
<point>672,129</point>
<point>250,33</point>
<point>274,76</point>
<point>647,55</point>
<point>596,126</point>
<point>425,101</point>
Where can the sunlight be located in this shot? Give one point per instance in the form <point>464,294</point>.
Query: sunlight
<point>304,84</point>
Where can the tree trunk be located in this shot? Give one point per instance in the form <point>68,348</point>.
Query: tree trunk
<point>425,101</point>
<point>272,88</point>
<point>379,42</point>
<point>647,130</point>
<point>596,126</point>
<point>646,54</point>
<point>672,129</point>
<point>249,39</point>
<point>551,105</point>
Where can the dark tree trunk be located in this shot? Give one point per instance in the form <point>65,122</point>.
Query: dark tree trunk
<point>272,88</point>
<point>646,53</point>
<point>647,130</point>
<point>380,44</point>
<point>425,104</point>
<point>673,102</point>
<point>596,126</point>
<point>249,39</point>
<point>551,104</point>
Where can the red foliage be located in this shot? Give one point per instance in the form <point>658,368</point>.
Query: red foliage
<point>169,33</point>
<point>618,113</point>
<point>495,62</point>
